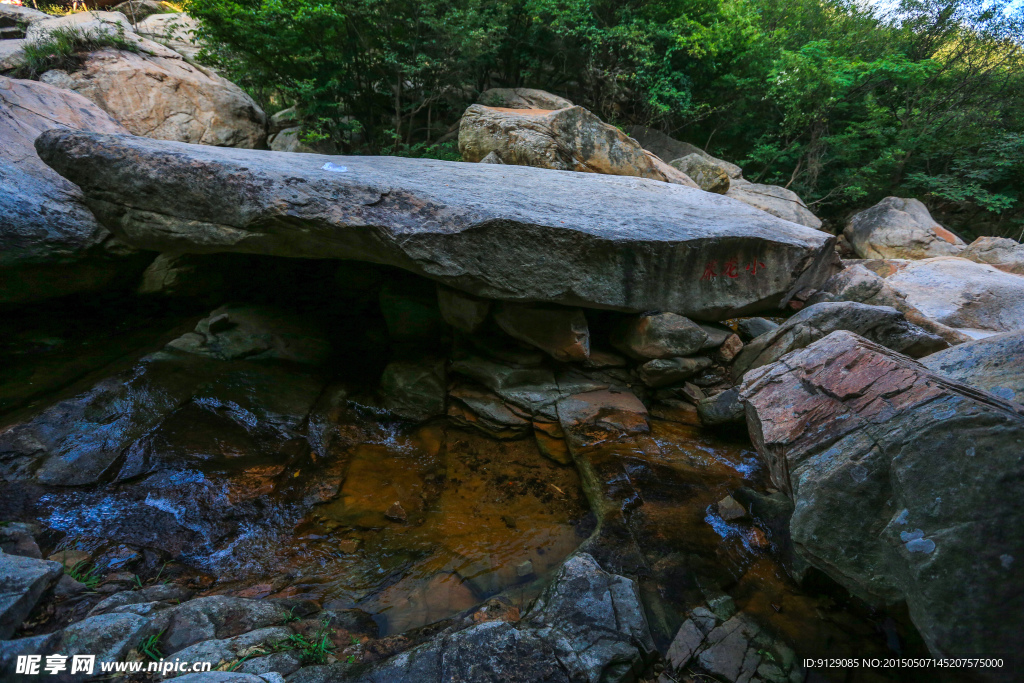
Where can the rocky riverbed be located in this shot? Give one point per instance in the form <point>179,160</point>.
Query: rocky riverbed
<point>567,414</point>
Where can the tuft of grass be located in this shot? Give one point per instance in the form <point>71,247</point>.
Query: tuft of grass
<point>150,646</point>
<point>85,574</point>
<point>63,49</point>
<point>312,650</point>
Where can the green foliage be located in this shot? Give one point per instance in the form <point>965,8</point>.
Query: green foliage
<point>85,574</point>
<point>63,47</point>
<point>313,649</point>
<point>150,647</point>
<point>839,100</point>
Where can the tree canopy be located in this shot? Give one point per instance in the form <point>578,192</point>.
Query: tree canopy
<point>844,103</point>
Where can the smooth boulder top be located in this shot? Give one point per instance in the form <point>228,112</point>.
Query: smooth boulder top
<point>976,298</point>
<point>496,231</point>
<point>995,364</point>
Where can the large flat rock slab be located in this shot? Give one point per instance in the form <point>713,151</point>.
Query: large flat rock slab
<point>496,231</point>
<point>906,484</point>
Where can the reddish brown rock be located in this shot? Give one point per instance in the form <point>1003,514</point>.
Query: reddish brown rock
<point>906,485</point>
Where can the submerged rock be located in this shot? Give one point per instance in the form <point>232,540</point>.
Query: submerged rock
<point>905,484</point>
<point>500,232</point>
<point>994,364</point>
<point>570,139</point>
<point>900,228</point>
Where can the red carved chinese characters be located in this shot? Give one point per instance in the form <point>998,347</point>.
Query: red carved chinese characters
<point>730,269</point>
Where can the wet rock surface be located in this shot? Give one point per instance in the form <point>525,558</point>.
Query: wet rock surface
<point>894,471</point>
<point>582,252</point>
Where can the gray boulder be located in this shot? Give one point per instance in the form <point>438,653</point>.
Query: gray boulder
<point>976,298</point>
<point>708,175</point>
<point>522,98</point>
<point>414,389</point>
<point>900,228</point>
<point>23,580</point>
<point>462,311</point>
<point>906,486</point>
<point>1001,252</point>
<point>665,147</point>
<point>588,627</point>
<point>661,335</point>
<point>735,649</point>
<point>778,201</point>
<point>663,372</point>
<point>721,409</point>
<point>749,328</point>
<point>15,18</point>
<point>994,364</point>
<point>231,649</point>
<point>50,243</point>
<point>499,232</point>
<point>108,636</point>
<point>857,283</point>
<point>561,332</point>
<point>881,324</point>
<point>571,139</point>
<point>215,617</point>
<point>160,592</point>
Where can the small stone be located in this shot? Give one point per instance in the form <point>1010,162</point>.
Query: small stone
<point>662,372</point>
<point>67,587</point>
<point>692,393</point>
<point>524,569</point>
<point>729,349</point>
<point>723,606</point>
<point>751,328</point>
<point>729,509</point>
<point>462,311</point>
<point>220,323</point>
<point>396,513</point>
<point>70,558</point>
<point>350,545</point>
